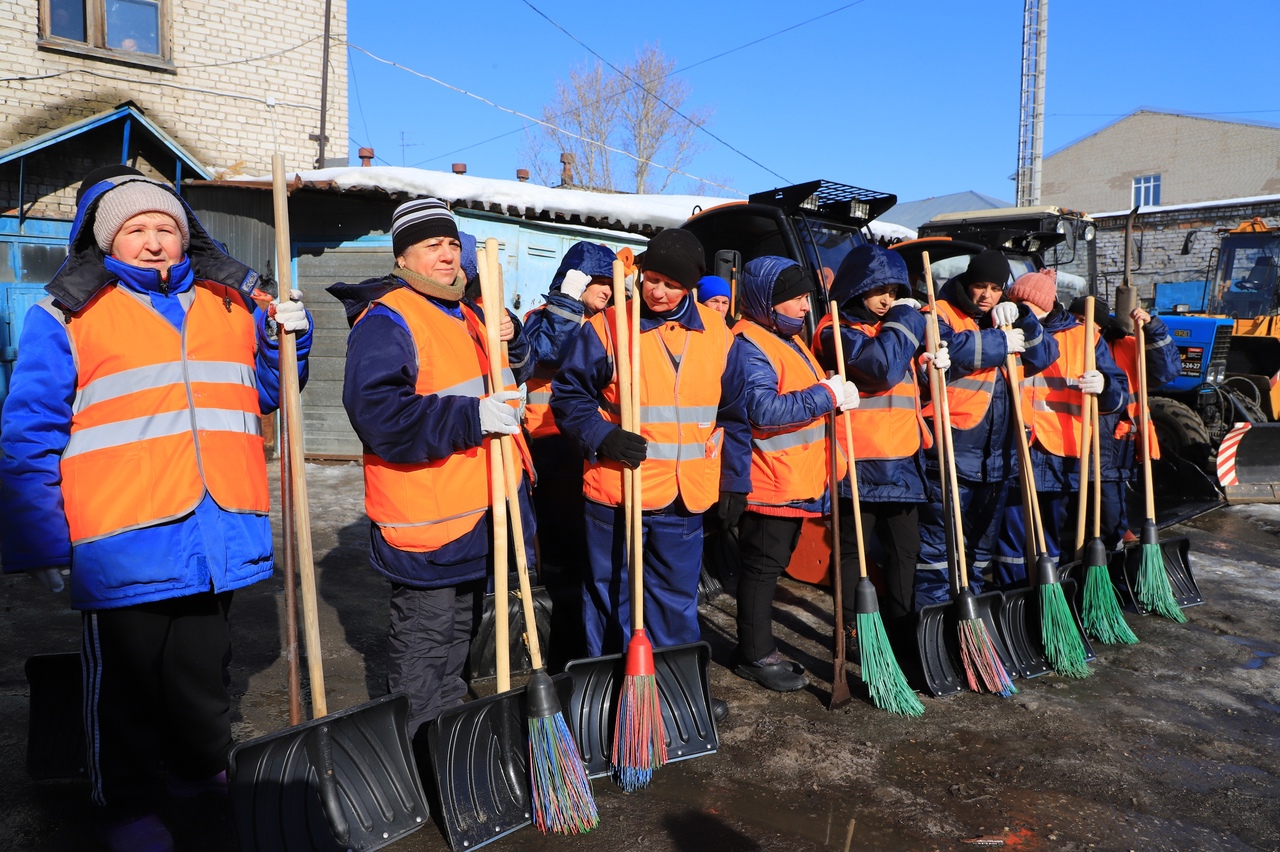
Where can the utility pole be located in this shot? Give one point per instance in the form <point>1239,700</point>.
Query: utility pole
<point>324,82</point>
<point>1035,37</point>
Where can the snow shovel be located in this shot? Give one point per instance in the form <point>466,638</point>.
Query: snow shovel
<point>1019,618</point>
<point>680,671</point>
<point>344,781</point>
<point>957,640</point>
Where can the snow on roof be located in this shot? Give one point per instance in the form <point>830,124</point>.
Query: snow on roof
<point>631,212</point>
<point>1168,208</point>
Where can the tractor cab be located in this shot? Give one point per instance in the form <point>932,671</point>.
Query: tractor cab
<point>1248,269</point>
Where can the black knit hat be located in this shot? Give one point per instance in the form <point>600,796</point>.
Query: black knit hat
<point>990,266</point>
<point>418,220</point>
<point>676,254</point>
<point>791,282</point>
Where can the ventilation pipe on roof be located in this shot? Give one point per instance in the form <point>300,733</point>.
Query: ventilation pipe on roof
<point>366,157</point>
<point>522,175</point>
<point>459,168</point>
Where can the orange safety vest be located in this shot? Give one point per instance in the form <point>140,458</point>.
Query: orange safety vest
<point>422,507</point>
<point>789,464</point>
<point>1125,353</point>
<point>968,396</point>
<point>678,408</point>
<point>888,424</point>
<point>161,417</point>
<point>538,419</point>
<point>1051,399</point>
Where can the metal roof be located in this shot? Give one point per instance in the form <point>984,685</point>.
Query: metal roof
<point>913,214</point>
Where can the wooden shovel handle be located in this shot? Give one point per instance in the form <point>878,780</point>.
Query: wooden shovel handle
<point>1088,416</point>
<point>1030,499</point>
<point>291,403</point>
<point>1144,419</point>
<point>491,294</point>
<point>848,439</point>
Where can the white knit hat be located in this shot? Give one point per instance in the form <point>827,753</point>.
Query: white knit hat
<point>119,205</point>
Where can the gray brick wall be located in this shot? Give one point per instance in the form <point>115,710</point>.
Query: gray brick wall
<point>228,56</point>
<point>1198,159</point>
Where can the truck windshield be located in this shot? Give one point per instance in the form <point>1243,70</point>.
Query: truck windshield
<point>832,242</point>
<point>1247,274</point>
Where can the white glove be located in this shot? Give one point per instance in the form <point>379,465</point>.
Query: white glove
<point>851,398</point>
<point>836,385</point>
<point>1014,338</point>
<point>575,283</point>
<point>1005,313</point>
<point>290,314</point>
<point>941,359</point>
<point>50,578</point>
<point>1092,382</point>
<point>496,417</point>
<point>913,304</point>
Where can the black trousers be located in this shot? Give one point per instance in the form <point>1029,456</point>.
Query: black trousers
<point>427,646</point>
<point>156,680</point>
<point>765,545</point>
<point>897,528</point>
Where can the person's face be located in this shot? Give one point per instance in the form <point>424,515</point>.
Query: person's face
<point>661,293</point>
<point>879,300</point>
<point>719,304</point>
<point>795,308</point>
<point>436,258</point>
<point>149,240</point>
<point>985,294</point>
<point>597,294</point>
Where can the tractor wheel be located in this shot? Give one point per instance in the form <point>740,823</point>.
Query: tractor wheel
<point>1181,432</point>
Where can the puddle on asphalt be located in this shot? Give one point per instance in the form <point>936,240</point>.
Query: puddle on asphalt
<point>1260,654</point>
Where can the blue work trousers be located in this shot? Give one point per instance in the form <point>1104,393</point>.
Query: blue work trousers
<point>1058,515</point>
<point>672,562</point>
<point>982,509</point>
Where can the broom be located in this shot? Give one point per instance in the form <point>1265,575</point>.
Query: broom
<point>982,665</point>
<point>880,670</point>
<point>1062,646</point>
<point>561,791</point>
<point>639,742</point>
<point>1100,613</point>
<point>1152,586</point>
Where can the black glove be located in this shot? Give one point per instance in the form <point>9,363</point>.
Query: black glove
<point>732,505</point>
<point>626,448</point>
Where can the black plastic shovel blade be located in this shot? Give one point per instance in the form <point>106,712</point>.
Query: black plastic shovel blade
<point>938,638</point>
<point>1177,565</point>
<point>55,730</point>
<point>483,658</point>
<point>480,763</point>
<point>1020,628</point>
<point>683,686</point>
<point>284,799</point>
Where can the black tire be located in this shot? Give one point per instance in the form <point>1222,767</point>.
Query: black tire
<point>1181,432</point>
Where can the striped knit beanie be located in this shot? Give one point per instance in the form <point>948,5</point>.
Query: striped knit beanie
<point>418,220</point>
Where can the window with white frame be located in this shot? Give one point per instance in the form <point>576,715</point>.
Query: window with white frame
<point>1146,190</point>
<point>126,29</point>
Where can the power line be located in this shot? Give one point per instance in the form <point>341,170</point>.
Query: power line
<point>641,87</point>
<point>539,121</point>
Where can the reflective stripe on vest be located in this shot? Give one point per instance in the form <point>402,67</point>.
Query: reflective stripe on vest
<point>677,417</point>
<point>969,396</point>
<point>160,417</point>
<point>787,465</point>
<point>1051,399</point>
<point>888,424</point>
<point>1124,352</point>
<point>421,507</point>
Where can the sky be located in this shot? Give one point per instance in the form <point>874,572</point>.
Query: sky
<point>914,97</point>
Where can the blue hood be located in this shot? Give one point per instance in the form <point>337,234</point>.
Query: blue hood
<point>591,259</point>
<point>470,266</point>
<point>866,268</point>
<point>755,295</point>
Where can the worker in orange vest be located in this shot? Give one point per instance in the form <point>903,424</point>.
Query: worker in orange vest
<point>693,448</point>
<point>970,319</point>
<point>882,332</point>
<point>133,456</point>
<point>417,393</point>
<point>1051,408</point>
<point>788,400</point>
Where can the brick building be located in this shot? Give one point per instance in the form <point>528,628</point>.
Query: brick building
<point>1160,158</point>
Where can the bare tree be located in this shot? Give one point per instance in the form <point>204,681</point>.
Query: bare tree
<point>603,110</point>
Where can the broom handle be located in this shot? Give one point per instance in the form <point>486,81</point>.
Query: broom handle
<point>1026,476</point>
<point>290,557</point>
<point>1088,407</point>
<point>848,439</point>
<point>622,367</point>
<point>1144,419</point>
<point>637,510</point>
<point>291,400</point>
<point>490,294</point>
<point>942,427</point>
<point>1097,471</point>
